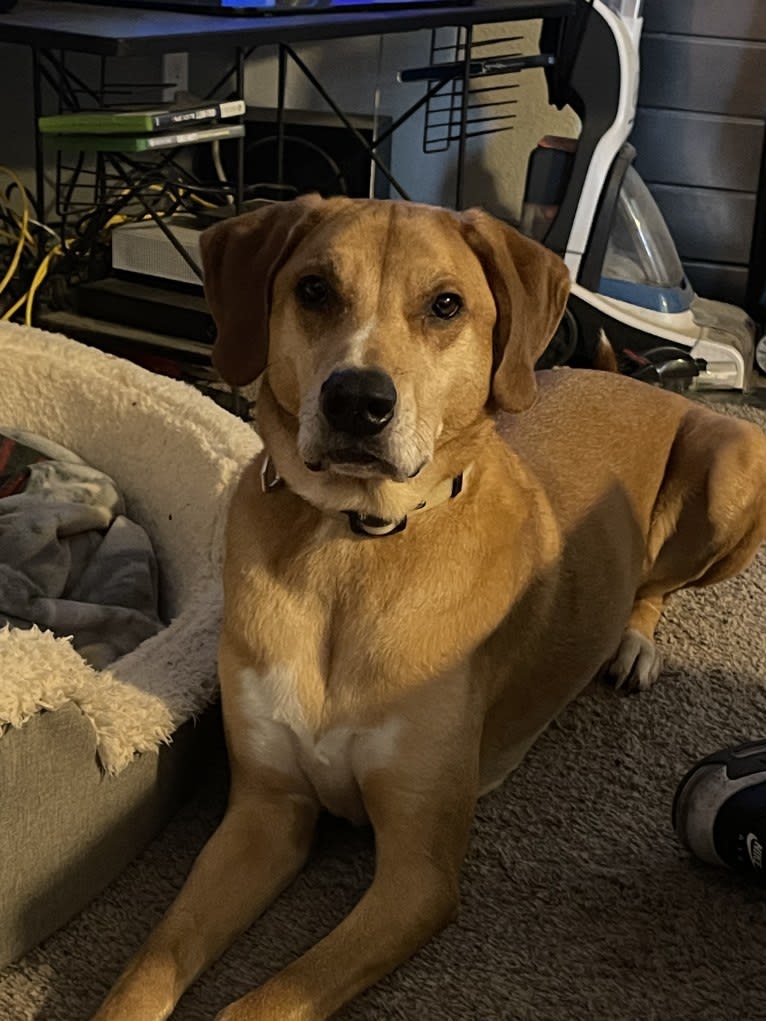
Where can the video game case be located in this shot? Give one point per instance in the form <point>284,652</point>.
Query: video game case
<point>142,143</point>
<point>137,121</point>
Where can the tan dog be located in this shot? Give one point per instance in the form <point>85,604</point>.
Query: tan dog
<point>416,581</point>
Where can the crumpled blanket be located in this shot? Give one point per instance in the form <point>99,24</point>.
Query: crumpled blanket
<point>71,562</point>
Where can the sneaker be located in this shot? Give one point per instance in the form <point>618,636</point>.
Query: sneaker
<point>719,809</point>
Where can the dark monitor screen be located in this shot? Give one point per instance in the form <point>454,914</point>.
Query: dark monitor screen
<point>255,7</point>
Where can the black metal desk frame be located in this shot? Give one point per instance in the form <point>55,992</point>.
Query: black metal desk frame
<point>54,29</point>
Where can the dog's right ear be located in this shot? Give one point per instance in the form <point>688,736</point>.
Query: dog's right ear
<point>240,256</point>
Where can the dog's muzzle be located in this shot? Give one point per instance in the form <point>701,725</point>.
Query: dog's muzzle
<point>358,402</point>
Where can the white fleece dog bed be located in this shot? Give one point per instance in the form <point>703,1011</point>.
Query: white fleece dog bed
<point>175,455</point>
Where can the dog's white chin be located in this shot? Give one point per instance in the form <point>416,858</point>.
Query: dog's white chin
<point>376,461</point>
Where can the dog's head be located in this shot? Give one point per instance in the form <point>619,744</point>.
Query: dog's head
<point>385,326</point>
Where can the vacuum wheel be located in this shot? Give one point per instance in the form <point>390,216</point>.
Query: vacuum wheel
<point>760,355</point>
<point>563,345</point>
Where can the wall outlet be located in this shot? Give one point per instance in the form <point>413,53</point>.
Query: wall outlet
<point>175,75</point>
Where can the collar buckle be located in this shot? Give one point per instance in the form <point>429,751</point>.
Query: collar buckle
<point>270,477</point>
<point>373,527</point>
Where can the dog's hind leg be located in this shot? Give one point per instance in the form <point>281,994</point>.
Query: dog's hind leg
<point>708,523</point>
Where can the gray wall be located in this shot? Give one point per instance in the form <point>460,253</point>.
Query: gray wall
<point>700,129</point>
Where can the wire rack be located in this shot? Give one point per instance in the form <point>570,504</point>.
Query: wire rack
<point>469,90</point>
<point>109,185</point>
<point>461,109</point>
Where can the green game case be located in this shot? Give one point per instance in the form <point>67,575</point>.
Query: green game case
<point>142,143</point>
<point>136,122</point>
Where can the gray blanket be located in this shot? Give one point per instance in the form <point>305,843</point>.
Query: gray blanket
<point>71,562</point>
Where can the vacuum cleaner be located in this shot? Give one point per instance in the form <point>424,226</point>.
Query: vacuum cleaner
<point>585,200</point>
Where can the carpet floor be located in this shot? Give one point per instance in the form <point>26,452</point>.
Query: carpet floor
<point>578,903</point>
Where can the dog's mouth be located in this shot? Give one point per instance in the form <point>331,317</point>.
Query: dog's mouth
<point>360,463</point>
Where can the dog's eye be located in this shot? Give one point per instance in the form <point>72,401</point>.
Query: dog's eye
<point>312,291</point>
<point>446,306</point>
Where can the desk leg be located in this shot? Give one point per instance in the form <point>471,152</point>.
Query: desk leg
<point>465,97</point>
<point>239,197</point>
<point>37,99</point>
<point>281,92</point>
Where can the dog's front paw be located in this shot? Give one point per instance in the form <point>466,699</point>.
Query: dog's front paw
<point>241,1011</point>
<point>259,1006</point>
<point>637,663</point>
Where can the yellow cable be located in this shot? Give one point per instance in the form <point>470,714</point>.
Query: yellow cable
<point>196,198</point>
<point>25,237</point>
<point>7,205</point>
<point>29,296</point>
<point>40,275</point>
<point>14,308</point>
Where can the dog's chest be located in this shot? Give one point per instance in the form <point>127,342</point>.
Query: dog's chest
<point>333,759</point>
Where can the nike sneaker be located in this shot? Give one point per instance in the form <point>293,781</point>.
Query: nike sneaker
<point>719,809</point>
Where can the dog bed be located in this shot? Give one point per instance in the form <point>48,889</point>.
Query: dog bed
<point>93,762</point>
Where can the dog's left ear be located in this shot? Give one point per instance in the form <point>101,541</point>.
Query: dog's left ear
<point>240,256</point>
<point>530,285</point>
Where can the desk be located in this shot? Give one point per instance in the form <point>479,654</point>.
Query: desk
<point>112,31</point>
<point>119,32</point>
<point>105,32</point>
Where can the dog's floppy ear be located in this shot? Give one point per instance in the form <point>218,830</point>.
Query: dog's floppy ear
<point>240,256</point>
<point>530,285</point>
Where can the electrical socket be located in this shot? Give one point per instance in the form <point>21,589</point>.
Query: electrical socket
<point>175,75</point>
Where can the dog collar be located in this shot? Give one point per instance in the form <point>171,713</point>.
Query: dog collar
<point>374,527</point>
<point>369,525</point>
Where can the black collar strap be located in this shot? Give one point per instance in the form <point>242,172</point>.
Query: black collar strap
<point>368,525</point>
<point>374,527</point>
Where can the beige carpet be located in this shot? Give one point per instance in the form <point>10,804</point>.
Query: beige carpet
<point>578,902</point>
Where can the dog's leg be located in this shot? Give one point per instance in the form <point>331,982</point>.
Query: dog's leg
<point>708,524</point>
<point>638,662</point>
<point>259,847</point>
<point>421,807</point>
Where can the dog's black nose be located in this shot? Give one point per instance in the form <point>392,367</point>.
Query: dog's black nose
<point>358,401</point>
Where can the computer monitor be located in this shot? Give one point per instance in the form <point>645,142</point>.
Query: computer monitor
<point>252,8</point>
